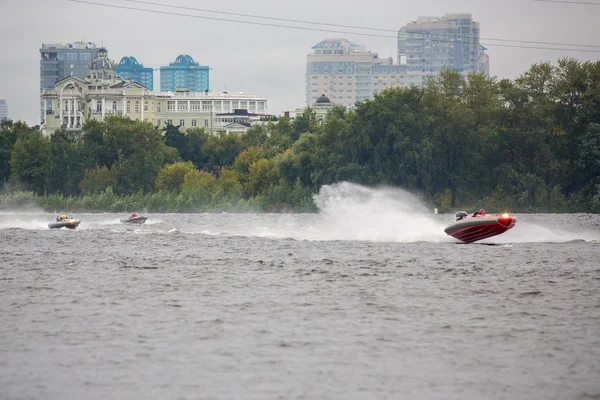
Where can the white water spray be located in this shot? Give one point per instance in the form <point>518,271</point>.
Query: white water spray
<point>354,212</point>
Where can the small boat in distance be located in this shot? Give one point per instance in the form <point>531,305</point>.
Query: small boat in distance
<point>64,222</point>
<point>479,225</point>
<point>134,219</point>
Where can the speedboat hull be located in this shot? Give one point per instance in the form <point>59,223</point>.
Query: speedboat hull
<point>69,224</point>
<point>135,220</point>
<point>472,229</point>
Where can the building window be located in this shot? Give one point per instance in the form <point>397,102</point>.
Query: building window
<point>169,122</point>
<point>158,107</point>
<point>152,106</point>
<point>182,106</point>
<point>193,122</point>
<point>170,105</point>
<point>99,106</point>
<point>66,105</point>
<point>205,122</point>
<point>181,122</point>
<point>137,106</point>
<point>128,106</point>
<point>114,105</point>
<point>145,106</point>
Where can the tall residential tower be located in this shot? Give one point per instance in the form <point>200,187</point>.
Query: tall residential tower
<point>3,110</point>
<point>346,72</point>
<point>184,73</point>
<point>129,69</point>
<point>57,61</point>
<point>429,44</point>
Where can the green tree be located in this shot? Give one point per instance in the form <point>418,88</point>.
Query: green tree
<point>135,151</point>
<point>172,176</point>
<point>29,162</point>
<point>65,164</point>
<point>10,132</point>
<point>176,139</point>
<point>97,180</point>
<point>262,174</point>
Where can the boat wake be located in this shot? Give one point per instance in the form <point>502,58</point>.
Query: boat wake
<point>349,211</point>
<point>530,232</point>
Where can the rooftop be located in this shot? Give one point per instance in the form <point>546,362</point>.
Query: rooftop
<point>74,45</point>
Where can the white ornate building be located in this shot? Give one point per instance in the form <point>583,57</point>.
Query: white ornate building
<point>77,100</point>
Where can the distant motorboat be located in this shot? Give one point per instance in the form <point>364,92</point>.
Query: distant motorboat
<point>478,226</point>
<point>137,220</point>
<point>71,223</point>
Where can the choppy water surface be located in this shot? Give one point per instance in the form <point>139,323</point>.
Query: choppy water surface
<point>366,300</point>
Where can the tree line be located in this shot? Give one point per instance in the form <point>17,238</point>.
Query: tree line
<point>528,144</point>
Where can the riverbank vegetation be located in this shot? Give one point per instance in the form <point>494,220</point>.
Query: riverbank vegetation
<point>529,145</point>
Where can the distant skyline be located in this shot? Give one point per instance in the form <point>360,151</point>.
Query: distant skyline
<point>269,61</point>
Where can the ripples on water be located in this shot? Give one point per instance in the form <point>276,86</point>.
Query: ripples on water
<point>350,303</point>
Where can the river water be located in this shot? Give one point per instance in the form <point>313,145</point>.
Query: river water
<point>368,299</point>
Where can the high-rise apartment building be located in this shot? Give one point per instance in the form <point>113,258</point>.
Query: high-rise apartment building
<point>429,44</point>
<point>346,72</point>
<point>129,69</point>
<point>184,73</point>
<point>61,60</point>
<point>3,110</point>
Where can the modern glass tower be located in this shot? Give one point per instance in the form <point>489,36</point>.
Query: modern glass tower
<point>57,61</point>
<point>184,73</point>
<point>3,110</point>
<point>429,44</point>
<point>129,68</point>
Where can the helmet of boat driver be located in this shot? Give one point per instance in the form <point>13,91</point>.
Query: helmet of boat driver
<point>482,211</point>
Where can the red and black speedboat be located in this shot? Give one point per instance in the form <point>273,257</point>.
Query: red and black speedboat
<point>470,228</point>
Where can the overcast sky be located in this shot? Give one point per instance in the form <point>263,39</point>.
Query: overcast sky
<point>268,61</point>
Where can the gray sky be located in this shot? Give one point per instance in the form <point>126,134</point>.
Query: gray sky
<point>267,61</point>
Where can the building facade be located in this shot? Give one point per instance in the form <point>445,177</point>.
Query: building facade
<point>57,61</point>
<point>129,69</point>
<point>73,101</point>
<point>184,73</point>
<point>429,44</point>
<point>3,110</point>
<point>346,72</point>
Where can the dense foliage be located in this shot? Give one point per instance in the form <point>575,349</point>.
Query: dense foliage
<point>531,144</point>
